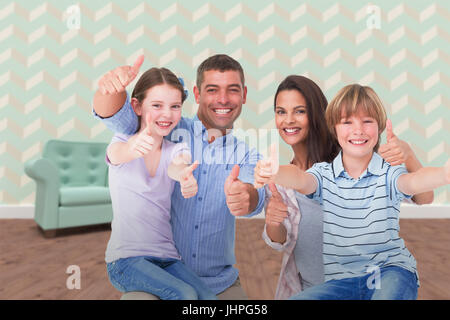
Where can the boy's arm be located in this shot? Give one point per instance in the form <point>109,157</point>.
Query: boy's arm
<point>291,176</point>
<point>424,179</point>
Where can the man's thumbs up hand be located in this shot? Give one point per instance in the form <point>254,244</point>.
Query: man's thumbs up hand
<point>236,193</point>
<point>117,80</point>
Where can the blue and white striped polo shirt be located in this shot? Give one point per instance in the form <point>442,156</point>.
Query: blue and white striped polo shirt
<point>361,218</point>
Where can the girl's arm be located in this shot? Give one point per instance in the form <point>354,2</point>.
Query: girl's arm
<point>424,179</point>
<point>137,146</point>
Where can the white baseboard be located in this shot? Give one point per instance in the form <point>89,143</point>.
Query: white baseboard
<point>25,211</point>
<point>407,211</point>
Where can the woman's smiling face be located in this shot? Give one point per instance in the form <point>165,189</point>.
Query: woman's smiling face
<point>291,116</point>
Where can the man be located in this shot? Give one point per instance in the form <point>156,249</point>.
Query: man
<point>204,225</point>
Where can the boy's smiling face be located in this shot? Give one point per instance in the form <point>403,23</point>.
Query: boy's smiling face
<point>357,134</point>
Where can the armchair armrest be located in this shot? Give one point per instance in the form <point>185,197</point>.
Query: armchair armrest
<point>46,176</point>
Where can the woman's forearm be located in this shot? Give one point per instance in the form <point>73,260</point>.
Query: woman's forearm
<point>276,233</point>
<point>413,164</point>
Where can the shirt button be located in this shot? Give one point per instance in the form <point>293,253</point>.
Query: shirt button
<point>196,227</point>
<point>200,198</point>
<point>204,171</point>
<point>194,255</point>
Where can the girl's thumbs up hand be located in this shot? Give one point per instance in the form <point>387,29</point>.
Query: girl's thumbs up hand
<point>142,142</point>
<point>188,183</point>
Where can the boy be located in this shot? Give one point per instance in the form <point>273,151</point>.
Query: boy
<point>360,195</point>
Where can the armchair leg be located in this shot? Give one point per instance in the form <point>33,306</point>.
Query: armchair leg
<point>48,233</point>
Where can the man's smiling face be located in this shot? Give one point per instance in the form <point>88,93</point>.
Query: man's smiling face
<point>220,99</point>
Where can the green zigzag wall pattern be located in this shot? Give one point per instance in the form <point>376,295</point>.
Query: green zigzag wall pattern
<point>48,72</point>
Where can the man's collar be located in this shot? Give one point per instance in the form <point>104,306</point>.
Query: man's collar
<point>199,129</point>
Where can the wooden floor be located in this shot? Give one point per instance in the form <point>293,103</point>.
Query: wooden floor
<point>32,267</point>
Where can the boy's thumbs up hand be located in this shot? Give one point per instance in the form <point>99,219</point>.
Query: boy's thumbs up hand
<point>265,170</point>
<point>117,80</point>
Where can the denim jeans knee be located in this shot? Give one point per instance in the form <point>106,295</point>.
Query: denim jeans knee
<point>396,284</point>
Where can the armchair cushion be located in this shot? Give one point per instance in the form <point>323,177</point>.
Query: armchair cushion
<point>88,195</point>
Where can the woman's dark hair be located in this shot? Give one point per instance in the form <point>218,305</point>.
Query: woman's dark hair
<point>321,145</point>
<point>154,77</point>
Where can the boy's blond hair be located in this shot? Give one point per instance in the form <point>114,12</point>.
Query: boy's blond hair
<point>351,100</point>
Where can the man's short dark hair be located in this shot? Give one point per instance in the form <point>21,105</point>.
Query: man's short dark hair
<point>220,62</point>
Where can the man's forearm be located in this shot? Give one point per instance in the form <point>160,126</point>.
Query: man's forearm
<point>106,105</point>
<point>254,197</point>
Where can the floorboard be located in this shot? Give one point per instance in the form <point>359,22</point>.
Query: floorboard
<point>33,267</point>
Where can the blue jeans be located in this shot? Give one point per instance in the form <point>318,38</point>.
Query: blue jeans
<point>395,283</point>
<point>167,278</point>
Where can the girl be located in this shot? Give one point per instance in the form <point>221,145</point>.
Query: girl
<point>141,255</point>
<point>293,221</point>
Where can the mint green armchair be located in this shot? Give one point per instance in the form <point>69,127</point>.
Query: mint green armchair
<point>71,185</point>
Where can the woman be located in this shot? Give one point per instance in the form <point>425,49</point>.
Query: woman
<point>294,222</point>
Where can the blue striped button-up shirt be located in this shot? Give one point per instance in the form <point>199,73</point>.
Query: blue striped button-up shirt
<point>361,218</point>
<point>203,227</point>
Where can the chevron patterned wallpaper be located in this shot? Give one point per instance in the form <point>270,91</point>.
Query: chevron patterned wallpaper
<point>53,53</point>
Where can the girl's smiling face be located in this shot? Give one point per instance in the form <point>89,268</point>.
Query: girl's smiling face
<point>357,134</point>
<point>160,110</point>
<point>291,117</point>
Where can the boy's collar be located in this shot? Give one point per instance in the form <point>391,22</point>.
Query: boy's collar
<point>375,166</point>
